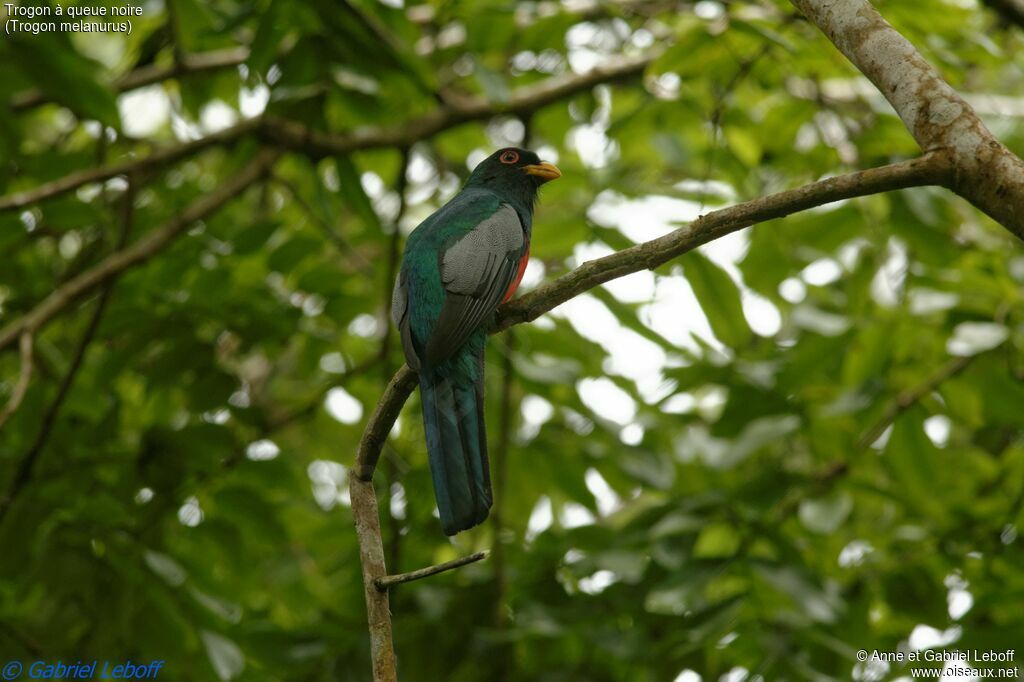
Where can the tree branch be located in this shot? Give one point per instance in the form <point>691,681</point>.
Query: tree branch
<point>24,375</point>
<point>526,99</point>
<point>137,253</point>
<point>150,74</point>
<point>26,466</point>
<point>385,583</point>
<point>910,397</point>
<point>160,157</point>
<point>985,172</point>
<point>371,556</point>
<point>499,468</point>
<point>318,144</point>
<point>930,169</point>
<point>334,236</point>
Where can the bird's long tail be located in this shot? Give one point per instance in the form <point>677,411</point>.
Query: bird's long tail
<point>453,418</point>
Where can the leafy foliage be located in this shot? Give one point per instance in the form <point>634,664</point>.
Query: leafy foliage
<point>684,485</point>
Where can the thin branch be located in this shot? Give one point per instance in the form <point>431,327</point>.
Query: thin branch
<point>156,159</point>
<point>743,69</point>
<point>24,376</point>
<point>499,467</point>
<point>910,397</point>
<point>148,75</point>
<point>526,99</point>
<point>985,172</point>
<point>385,583</point>
<point>280,421</point>
<point>334,236</point>
<point>318,144</point>
<point>27,464</point>
<point>930,169</point>
<point>138,253</point>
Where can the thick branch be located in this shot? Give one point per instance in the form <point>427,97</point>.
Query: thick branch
<point>371,557</point>
<point>986,173</point>
<point>137,253</point>
<point>383,584</point>
<point>931,169</point>
<point>151,73</point>
<point>318,143</point>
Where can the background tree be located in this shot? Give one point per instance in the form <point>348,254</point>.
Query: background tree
<point>792,443</point>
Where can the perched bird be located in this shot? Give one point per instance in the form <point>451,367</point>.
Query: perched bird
<point>459,265</point>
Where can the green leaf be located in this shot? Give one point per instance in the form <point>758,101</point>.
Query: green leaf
<point>717,541</point>
<point>67,77</point>
<point>825,514</point>
<point>352,193</point>
<point>227,659</point>
<point>719,299</point>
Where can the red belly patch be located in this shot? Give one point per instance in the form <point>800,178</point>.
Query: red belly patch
<point>519,275</point>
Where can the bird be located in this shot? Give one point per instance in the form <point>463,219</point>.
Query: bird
<point>458,266</point>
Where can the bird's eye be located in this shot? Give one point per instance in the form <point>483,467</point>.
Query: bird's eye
<point>509,157</point>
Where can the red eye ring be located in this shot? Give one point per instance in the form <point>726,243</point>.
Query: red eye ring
<point>509,157</point>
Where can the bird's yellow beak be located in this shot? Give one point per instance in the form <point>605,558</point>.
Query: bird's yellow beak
<point>543,170</point>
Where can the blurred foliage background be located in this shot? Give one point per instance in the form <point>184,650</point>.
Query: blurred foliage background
<point>804,440</point>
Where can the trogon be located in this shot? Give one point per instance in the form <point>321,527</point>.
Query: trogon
<point>458,266</point>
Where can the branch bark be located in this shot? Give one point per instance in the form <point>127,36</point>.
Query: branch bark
<point>317,144</point>
<point>985,172</point>
<point>136,254</point>
<point>371,556</point>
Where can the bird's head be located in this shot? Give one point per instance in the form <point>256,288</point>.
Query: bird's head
<point>514,172</point>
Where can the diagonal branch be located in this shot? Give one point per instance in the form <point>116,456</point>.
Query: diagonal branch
<point>523,100</point>
<point>985,172</point>
<point>150,74</point>
<point>27,464</point>
<point>317,144</point>
<point>910,397</point>
<point>161,157</point>
<point>930,169</point>
<point>136,254</point>
<point>24,376</point>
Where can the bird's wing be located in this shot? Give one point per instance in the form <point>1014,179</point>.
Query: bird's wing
<point>476,271</point>
<point>400,316</point>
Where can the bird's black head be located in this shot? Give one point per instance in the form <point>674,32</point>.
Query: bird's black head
<point>514,173</point>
